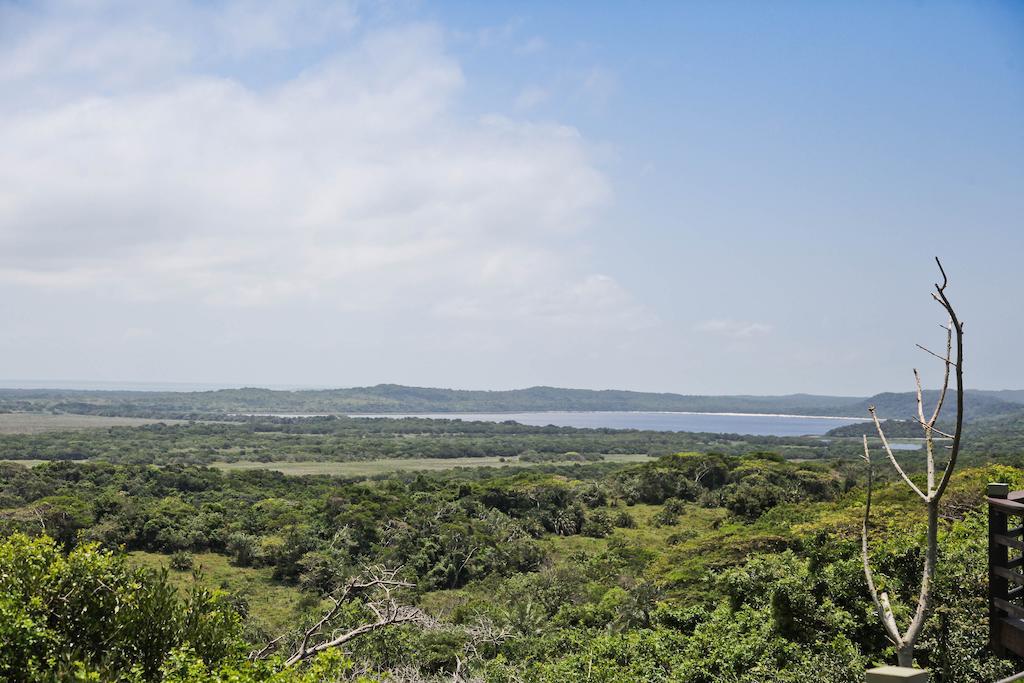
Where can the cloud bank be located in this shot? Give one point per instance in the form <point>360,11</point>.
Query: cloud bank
<point>264,155</point>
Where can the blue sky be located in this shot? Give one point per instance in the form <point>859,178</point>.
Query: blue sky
<point>704,197</point>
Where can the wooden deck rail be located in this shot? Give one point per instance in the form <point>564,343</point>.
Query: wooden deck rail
<point>1005,578</point>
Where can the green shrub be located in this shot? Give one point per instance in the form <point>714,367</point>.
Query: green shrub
<point>181,561</point>
<point>92,607</point>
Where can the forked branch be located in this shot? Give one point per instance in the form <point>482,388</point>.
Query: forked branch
<point>892,458</point>
<point>904,642</point>
<point>957,329</point>
<point>376,583</point>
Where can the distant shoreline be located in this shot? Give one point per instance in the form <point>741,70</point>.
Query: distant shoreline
<point>446,415</point>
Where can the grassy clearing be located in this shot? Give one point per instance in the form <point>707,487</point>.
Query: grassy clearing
<point>683,551</point>
<point>36,423</point>
<point>273,606</point>
<point>366,468</point>
<point>702,540</point>
<point>24,463</point>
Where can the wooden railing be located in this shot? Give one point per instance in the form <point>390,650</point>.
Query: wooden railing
<point>1005,564</point>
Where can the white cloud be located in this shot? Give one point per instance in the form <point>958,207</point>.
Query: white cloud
<point>531,96</point>
<point>133,166</point>
<point>598,85</point>
<point>532,46</point>
<point>253,25</point>
<point>734,329</point>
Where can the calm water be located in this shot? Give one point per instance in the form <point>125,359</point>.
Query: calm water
<point>760,425</point>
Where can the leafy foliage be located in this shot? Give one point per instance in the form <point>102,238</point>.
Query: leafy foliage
<point>693,567</point>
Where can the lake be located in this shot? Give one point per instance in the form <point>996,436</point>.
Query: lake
<point>722,423</point>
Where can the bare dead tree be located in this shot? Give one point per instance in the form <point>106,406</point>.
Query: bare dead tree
<point>484,637</point>
<point>378,585</point>
<point>932,493</point>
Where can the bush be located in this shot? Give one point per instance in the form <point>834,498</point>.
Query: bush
<point>90,611</point>
<point>181,561</point>
<point>624,520</point>
<point>666,516</point>
<point>243,549</point>
<point>597,524</point>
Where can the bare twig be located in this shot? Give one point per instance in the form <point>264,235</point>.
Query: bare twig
<point>927,350</point>
<point>376,581</point>
<point>892,458</point>
<point>929,448</point>
<point>266,649</point>
<point>42,520</point>
<point>936,430</point>
<point>945,380</point>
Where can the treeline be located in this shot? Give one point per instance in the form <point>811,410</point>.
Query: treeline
<point>346,439</point>
<point>895,429</point>
<point>339,439</point>
<point>1000,438</point>
<point>395,398</point>
<point>391,398</point>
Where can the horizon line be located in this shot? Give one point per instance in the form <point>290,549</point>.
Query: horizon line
<point>195,387</point>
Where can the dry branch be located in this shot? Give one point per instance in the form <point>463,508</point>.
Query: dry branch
<point>376,583</point>
<point>892,458</point>
<point>905,641</point>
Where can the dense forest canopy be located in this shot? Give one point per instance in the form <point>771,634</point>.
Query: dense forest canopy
<point>693,567</point>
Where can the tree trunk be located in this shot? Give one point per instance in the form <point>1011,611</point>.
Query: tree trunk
<point>905,656</point>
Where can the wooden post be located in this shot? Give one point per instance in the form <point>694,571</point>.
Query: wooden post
<point>998,556</point>
<point>896,674</point>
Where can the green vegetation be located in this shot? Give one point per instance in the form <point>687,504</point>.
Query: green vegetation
<point>373,468</point>
<point>360,446</point>
<point>692,567</point>
<point>170,552</point>
<point>268,605</point>
<point>343,439</point>
<point>392,398</point>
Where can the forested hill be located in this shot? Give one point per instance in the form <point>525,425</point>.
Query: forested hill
<point>1010,395</point>
<point>391,398</point>
<point>977,404</point>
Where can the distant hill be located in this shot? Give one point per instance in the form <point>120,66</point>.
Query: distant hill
<point>1010,395</point>
<point>978,404</point>
<point>393,398</point>
<point>893,429</point>
<point>397,398</point>
<point>994,436</point>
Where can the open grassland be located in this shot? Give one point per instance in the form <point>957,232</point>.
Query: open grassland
<point>36,423</point>
<point>368,468</point>
<point>272,605</point>
<point>681,553</point>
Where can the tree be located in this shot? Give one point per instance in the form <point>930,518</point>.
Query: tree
<point>932,494</point>
<point>376,583</point>
<point>92,610</point>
